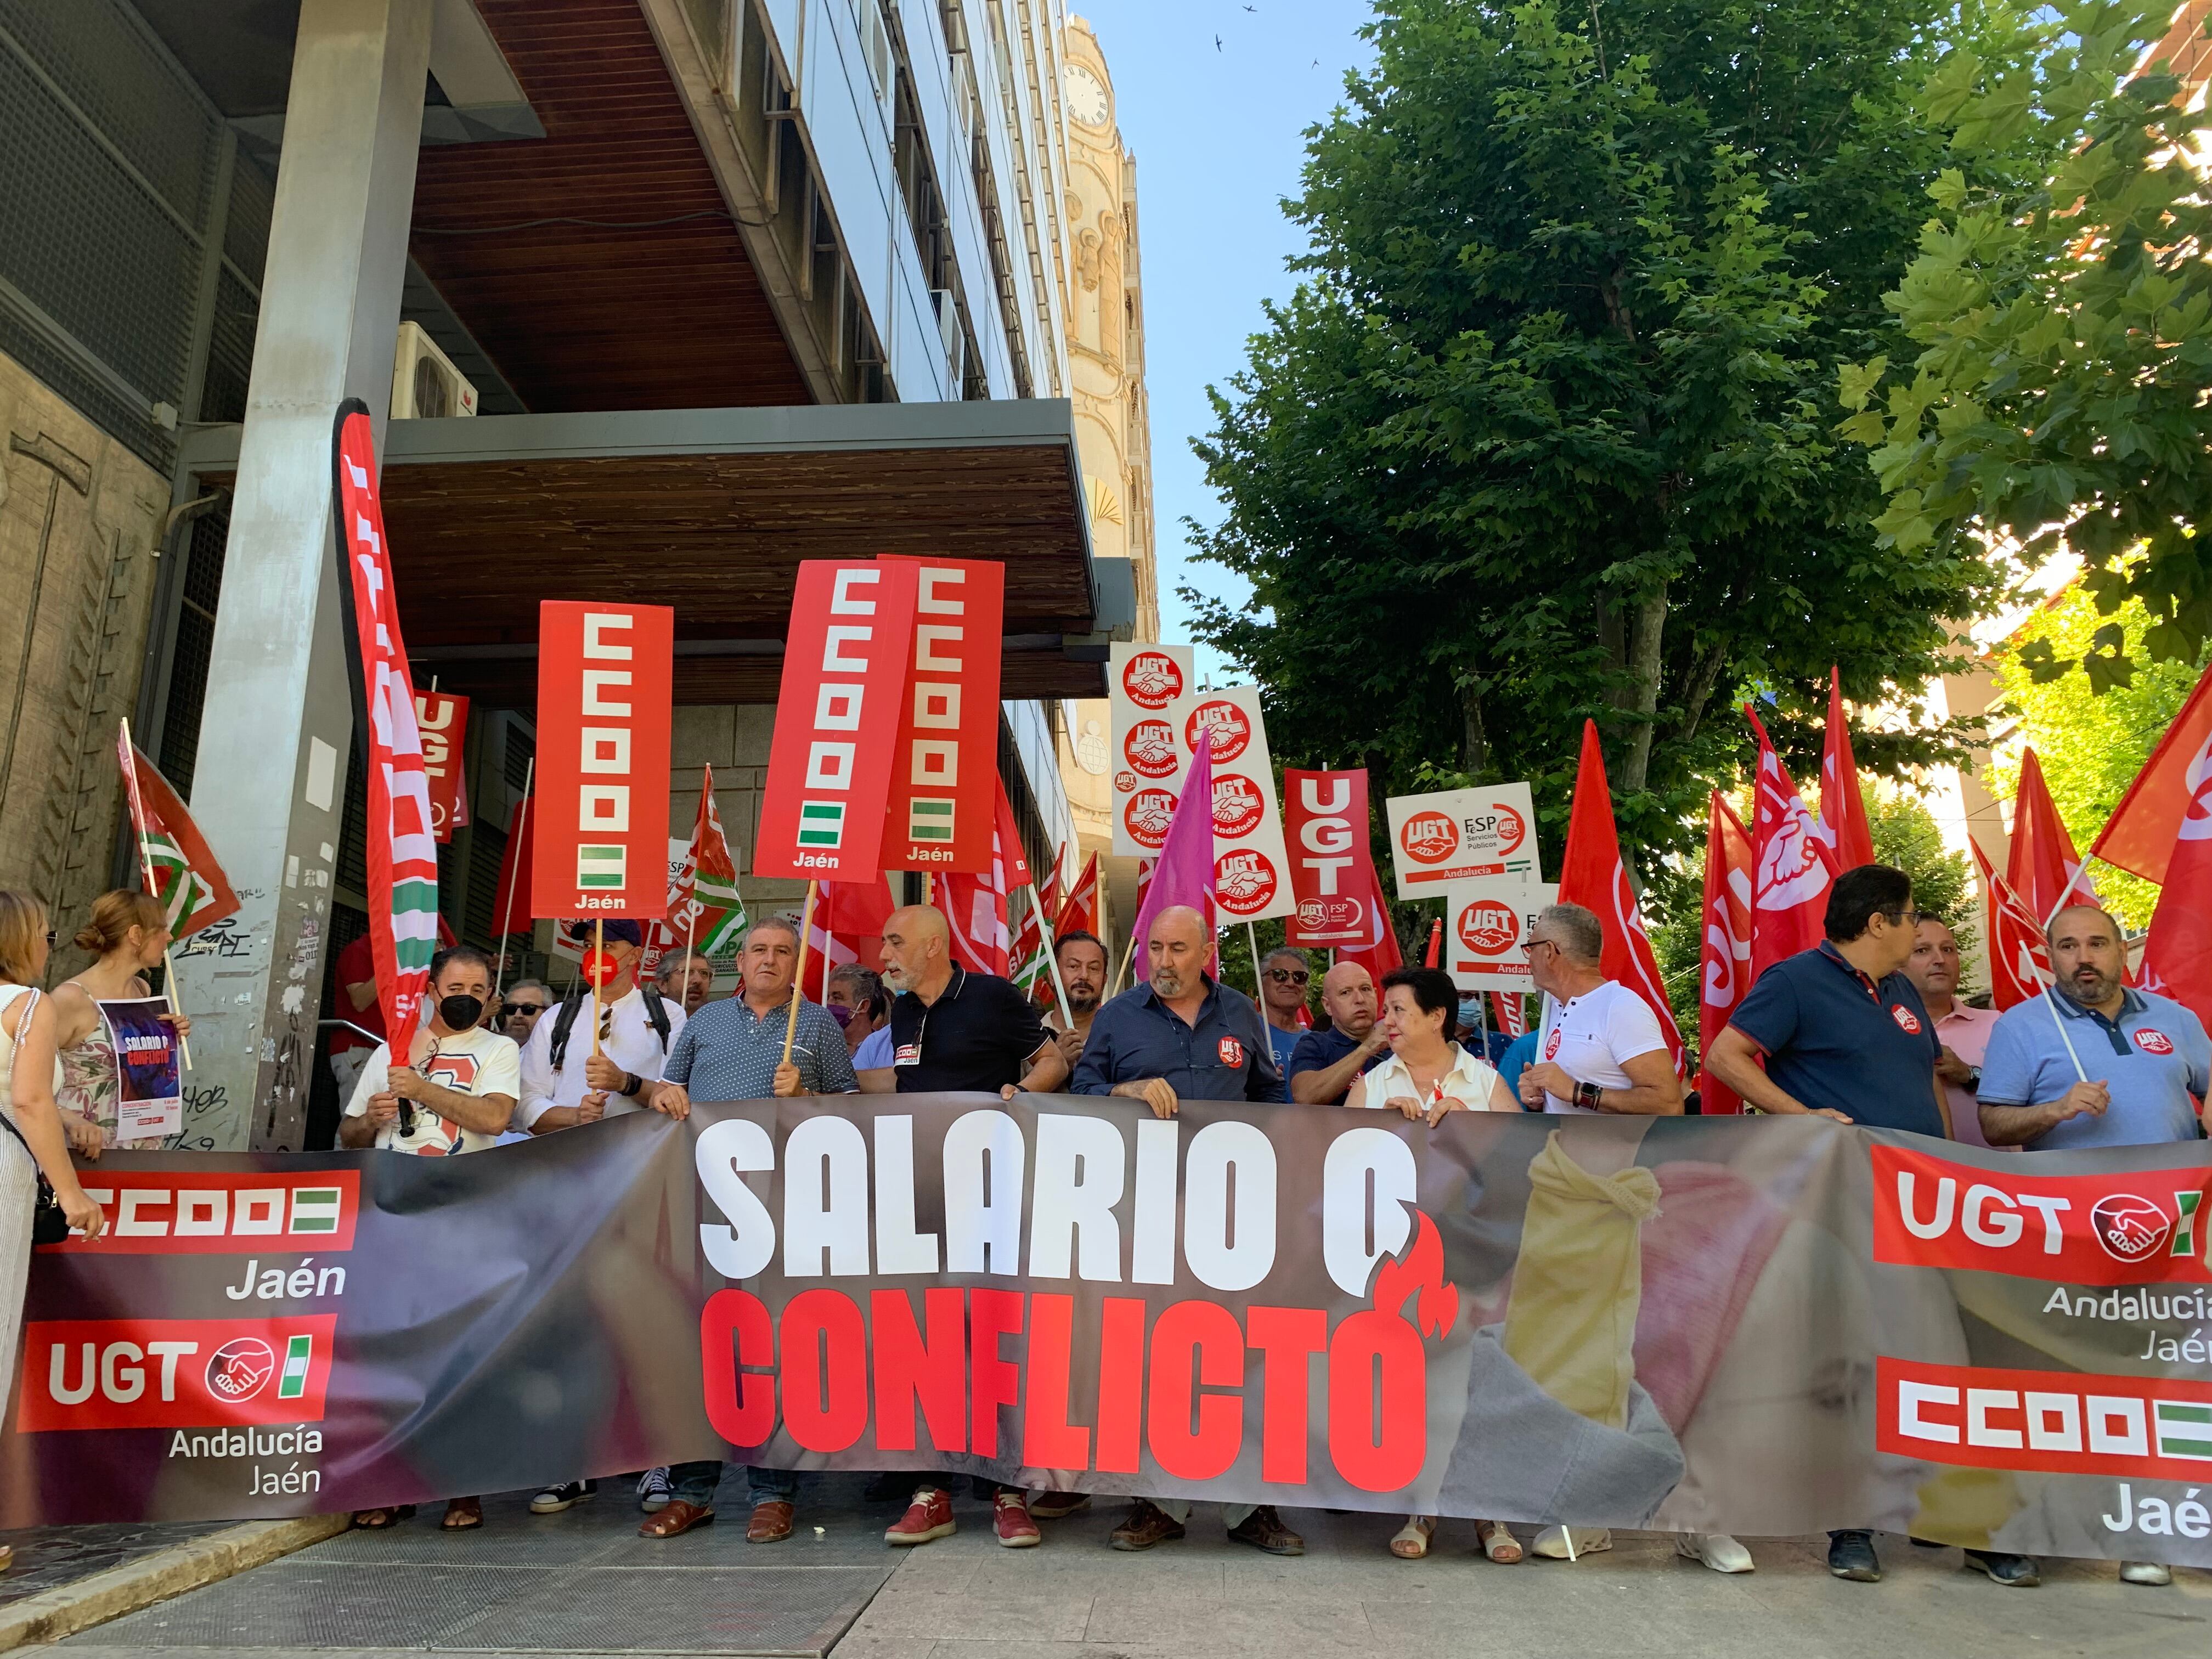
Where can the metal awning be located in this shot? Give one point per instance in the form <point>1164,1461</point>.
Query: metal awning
<point>711,511</point>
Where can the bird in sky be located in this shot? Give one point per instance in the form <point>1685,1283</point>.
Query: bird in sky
<point>1217,43</point>
<point>1251,8</point>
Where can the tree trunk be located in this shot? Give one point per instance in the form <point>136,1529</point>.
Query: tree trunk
<point>1699,691</point>
<point>1646,631</point>
<point>1474,745</point>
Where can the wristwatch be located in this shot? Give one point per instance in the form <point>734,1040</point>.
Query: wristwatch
<point>1587,1095</point>
<point>1974,1079</point>
<point>632,1083</point>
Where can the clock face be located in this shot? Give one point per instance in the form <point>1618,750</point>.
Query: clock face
<point>1086,96</point>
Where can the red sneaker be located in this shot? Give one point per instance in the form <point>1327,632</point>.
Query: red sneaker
<point>929,1515</point>
<point>1010,1513</point>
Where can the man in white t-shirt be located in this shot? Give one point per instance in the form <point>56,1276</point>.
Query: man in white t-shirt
<point>564,1083</point>
<point>460,1092</point>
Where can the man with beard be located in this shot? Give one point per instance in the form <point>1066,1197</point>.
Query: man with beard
<point>1325,1062</point>
<point>687,977</point>
<point>1082,962</point>
<point>1182,1035</point>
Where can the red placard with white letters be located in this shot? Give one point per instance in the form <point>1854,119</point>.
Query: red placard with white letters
<point>443,720</point>
<point>1332,866</point>
<point>945,770</point>
<point>837,721</point>
<point>599,814</point>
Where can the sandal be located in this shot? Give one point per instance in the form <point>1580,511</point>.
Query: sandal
<point>1411,1541</point>
<point>463,1514</point>
<point>1497,1542</point>
<point>378,1520</point>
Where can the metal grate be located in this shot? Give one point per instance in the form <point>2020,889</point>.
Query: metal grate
<point>246,232</point>
<point>230,351</point>
<point>188,672</point>
<point>521,750</point>
<point>487,846</point>
<point>353,823</point>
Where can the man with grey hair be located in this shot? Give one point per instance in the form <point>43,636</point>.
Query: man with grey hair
<point>1284,975</point>
<point>684,976</point>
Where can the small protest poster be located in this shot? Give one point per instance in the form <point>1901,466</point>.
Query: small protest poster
<point>148,1102</point>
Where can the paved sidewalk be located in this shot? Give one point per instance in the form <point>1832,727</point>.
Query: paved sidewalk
<point>582,1583</point>
<point>48,1558</point>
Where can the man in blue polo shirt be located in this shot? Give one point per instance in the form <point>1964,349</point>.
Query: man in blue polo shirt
<point>2091,1062</point>
<point>1352,1044</point>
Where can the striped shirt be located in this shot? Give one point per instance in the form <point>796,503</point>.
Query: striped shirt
<point>725,1052</point>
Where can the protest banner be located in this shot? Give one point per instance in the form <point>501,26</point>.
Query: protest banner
<point>1251,866</point>
<point>1458,835</point>
<point>443,720</point>
<point>1147,757</point>
<point>837,721</point>
<point>1332,869</point>
<point>1768,1327</point>
<point>1487,921</point>
<point>605,678</point>
<point>402,843</point>
<point>945,767</point>
<point>149,1099</point>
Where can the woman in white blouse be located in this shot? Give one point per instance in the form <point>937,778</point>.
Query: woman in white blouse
<point>1427,1075</point>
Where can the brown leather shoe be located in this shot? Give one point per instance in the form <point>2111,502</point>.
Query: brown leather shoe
<point>771,1523</point>
<point>679,1518</point>
<point>1263,1530</point>
<point>1148,1524</point>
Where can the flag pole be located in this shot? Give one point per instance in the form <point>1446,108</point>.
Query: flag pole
<point>1052,957</point>
<point>799,979</point>
<point>146,880</point>
<point>1252,944</point>
<point>599,966</point>
<point>506,909</point>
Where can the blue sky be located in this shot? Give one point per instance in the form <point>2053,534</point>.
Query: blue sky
<point>1216,134</point>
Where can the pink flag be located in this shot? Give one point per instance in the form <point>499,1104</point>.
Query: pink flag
<point>1843,808</point>
<point>1183,874</point>
<point>1792,868</point>
<point>2177,958</point>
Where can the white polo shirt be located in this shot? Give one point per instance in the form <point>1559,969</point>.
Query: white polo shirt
<point>629,1040</point>
<point>1588,1037</point>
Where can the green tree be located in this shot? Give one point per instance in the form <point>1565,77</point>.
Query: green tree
<point>2065,327</point>
<point>1537,439</point>
<point>1907,837</point>
<point>2091,746</point>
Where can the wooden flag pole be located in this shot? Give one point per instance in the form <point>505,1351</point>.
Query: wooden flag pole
<point>598,965</point>
<point>799,979</point>
<point>1052,957</point>
<point>506,907</point>
<point>146,880</point>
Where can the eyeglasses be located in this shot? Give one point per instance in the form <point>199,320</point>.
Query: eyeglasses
<point>526,1008</point>
<point>1530,945</point>
<point>51,934</point>
<point>1289,976</point>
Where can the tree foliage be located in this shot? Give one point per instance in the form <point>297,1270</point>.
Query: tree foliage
<point>1542,434</point>
<point>2065,328</point>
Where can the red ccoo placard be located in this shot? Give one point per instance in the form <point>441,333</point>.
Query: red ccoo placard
<point>599,815</point>
<point>945,771</point>
<point>837,721</point>
<point>443,720</point>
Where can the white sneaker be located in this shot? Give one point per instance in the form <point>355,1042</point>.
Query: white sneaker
<point>1553,1545</point>
<point>1715,1549</point>
<point>2144,1572</point>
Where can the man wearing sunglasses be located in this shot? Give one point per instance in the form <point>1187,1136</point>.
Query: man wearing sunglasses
<point>520,1008</point>
<point>1283,977</point>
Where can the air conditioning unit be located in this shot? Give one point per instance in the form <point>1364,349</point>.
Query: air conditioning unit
<point>425,385</point>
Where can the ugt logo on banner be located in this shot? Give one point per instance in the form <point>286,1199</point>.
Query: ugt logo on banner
<point>604,690</point>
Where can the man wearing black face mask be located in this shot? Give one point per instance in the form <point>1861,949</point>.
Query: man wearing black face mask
<point>460,1091</point>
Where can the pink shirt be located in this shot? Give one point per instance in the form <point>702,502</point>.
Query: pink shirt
<point>1966,1032</point>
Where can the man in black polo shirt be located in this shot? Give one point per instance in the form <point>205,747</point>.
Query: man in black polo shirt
<point>955,1032</point>
<point>1183,1036</point>
<point>1845,1036</point>
<point>1325,1062</point>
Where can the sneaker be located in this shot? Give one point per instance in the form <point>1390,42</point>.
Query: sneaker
<point>652,1490</point>
<point>2144,1572</point>
<point>1715,1549</point>
<point>1147,1524</point>
<point>1010,1514</point>
<point>929,1515</point>
<point>1851,1555</point>
<point>1554,1544</point>
<point>2018,1571</point>
<point>560,1495</point>
<point>1052,1505</point>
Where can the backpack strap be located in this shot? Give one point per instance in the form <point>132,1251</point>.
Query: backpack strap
<point>656,1011</point>
<point>564,1021</point>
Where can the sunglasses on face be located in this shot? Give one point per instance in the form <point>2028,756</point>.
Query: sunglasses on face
<point>1289,976</point>
<point>526,1008</point>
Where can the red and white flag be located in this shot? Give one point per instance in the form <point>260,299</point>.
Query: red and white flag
<point>1792,868</point>
<point>1512,1010</point>
<point>511,911</point>
<point>1592,874</point>
<point>1724,959</point>
<point>1080,911</point>
<point>2043,868</point>
<point>1843,808</point>
<point>174,861</point>
<point>846,926</point>
<point>975,905</point>
<point>1380,954</point>
<point>2019,957</point>
<point>2177,959</point>
<point>2145,830</point>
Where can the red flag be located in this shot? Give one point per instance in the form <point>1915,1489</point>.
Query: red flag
<point>847,926</point>
<point>2177,959</point>
<point>2145,830</point>
<point>1592,874</point>
<point>2043,869</point>
<point>511,903</point>
<point>2020,956</point>
<point>975,907</point>
<point>1014,873</point>
<point>1380,954</point>
<point>1843,808</point>
<point>1724,963</point>
<point>1080,911</point>
<point>1436,942</point>
<point>1792,867</point>
<point>174,861</point>
<point>1512,1010</point>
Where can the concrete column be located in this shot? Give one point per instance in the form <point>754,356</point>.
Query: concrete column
<point>270,780</point>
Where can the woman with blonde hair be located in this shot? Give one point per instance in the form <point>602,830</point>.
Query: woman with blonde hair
<point>128,932</point>
<point>31,1138</point>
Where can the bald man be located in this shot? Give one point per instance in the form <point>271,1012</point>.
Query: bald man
<point>1181,1035</point>
<point>953,1030</point>
<point>1325,1062</point>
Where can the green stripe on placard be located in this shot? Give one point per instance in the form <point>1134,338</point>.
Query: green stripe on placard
<point>315,1210</point>
<point>821,822</point>
<point>2185,1429</point>
<point>929,819</point>
<point>601,866</point>
<point>299,1353</point>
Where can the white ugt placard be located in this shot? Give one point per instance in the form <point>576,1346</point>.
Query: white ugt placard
<point>1251,864</point>
<point>1487,921</point>
<point>1458,835</point>
<point>1148,756</point>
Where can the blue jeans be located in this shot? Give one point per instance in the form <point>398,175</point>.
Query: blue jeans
<point>694,1483</point>
<point>773,1485</point>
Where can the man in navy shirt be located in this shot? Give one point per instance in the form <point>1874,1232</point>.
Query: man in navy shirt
<point>1325,1062</point>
